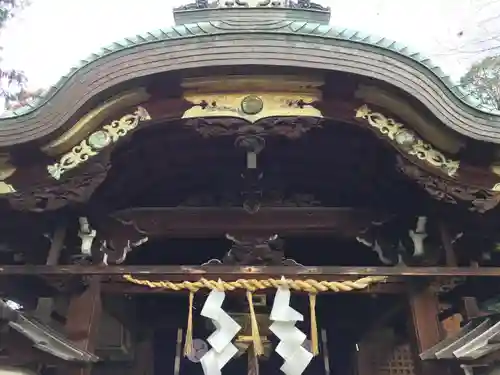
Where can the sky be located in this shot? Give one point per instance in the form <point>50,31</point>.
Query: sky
<point>51,36</point>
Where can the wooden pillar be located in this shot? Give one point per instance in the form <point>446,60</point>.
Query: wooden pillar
<point>45,306</point>
<point>450,256</point>
<point>425,329</point>
<point>82,324</point>
<point>144,358</point>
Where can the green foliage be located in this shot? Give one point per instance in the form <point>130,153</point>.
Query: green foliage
<point>8,9</point>
<point>483,81</point>
<point>13,82</point>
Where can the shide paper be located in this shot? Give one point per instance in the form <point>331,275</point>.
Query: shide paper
<point>226,329</point>
<point>296,357</point>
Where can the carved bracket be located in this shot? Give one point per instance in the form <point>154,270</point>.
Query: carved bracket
<point>254,250</point>
<point>478,200</point>
<point>87,235</point>
<point>118,255</point>
<point>404,240</point>
<point>52,196</point>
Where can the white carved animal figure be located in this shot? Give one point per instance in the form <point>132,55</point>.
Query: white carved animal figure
<point>418,236</point>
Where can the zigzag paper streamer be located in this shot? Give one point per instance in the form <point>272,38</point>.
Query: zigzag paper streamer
<point>226,329</point>
<point>296,357</point>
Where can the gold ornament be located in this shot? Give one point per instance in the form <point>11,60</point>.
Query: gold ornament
<point>97,141</point>
<point>408,141</point>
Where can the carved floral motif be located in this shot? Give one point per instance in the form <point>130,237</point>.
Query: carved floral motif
<point>291,128</point>
<point>408,141</point>
<point>96,142</point>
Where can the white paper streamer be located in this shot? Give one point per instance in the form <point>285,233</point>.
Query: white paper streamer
<point>226,328</point>
<point>296,357</point>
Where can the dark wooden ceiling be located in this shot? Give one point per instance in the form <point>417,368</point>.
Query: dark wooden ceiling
<point>340,165</point>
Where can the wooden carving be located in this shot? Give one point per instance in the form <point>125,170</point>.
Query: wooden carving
<point>408,141</point>
<point>478,200</point>
<point>254,250</point>
<point>290,127</point>
<point>52,196</point>
<point>404,240</point>
<point>96,142</point>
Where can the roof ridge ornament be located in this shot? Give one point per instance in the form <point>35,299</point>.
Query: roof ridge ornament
<point>294,4</point>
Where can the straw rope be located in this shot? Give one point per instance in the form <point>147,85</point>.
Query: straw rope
<point>252,285</point>
<point>313,287</point>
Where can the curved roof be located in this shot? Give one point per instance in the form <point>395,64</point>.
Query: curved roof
<point>279,42</point>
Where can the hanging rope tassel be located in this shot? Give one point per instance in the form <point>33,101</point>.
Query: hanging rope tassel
<point>188,343</point>
<point>314,325</point>
<point>257,343</point>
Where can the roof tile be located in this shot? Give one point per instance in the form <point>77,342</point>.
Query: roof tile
<point>295,27</point>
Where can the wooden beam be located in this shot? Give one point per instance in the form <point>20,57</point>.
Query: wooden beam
<point>210,221</point>
<point>195,272</point>
<point>82,322</point>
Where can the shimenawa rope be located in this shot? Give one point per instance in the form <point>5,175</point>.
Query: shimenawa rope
<point>313,287</point>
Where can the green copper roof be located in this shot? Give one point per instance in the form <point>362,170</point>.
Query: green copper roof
<point>304,28</point>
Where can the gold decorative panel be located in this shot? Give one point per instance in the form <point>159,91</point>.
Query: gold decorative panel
<point>252,98</point>
<point>408,141</point>
<point>6,170</point>
<point>96,142</point>
<point>91,120</point>
<point>428,127</point>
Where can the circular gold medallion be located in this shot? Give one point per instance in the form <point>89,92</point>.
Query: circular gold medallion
<point>251,105</point>
<point>99,139</point>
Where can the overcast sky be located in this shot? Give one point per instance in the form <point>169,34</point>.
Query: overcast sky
<point>53,35</point>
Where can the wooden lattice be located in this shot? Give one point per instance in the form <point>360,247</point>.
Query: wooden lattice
<point>400,363</point>
<point>378,354</point>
